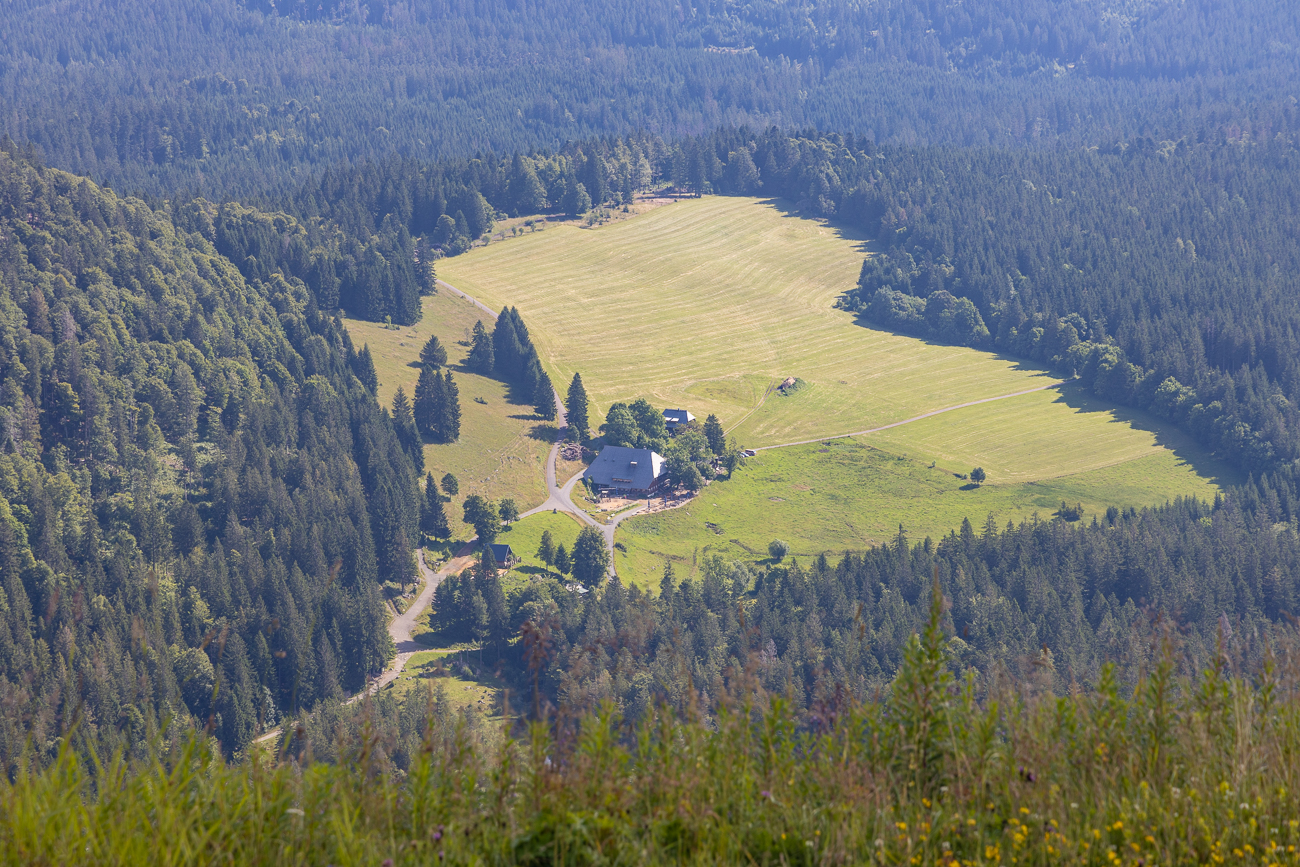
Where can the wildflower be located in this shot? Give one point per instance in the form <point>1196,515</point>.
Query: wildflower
<point>902,826</point>
<point>765,794</point>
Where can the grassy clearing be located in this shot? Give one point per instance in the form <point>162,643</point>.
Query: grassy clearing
<point>502,446</point>
<point>1010,441</point>
<point>525,536</point>
<point>707,304</point>
<point>432,669</point>
<point>846,495</point>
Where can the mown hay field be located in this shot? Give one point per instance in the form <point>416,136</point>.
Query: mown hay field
<point>707,304</point>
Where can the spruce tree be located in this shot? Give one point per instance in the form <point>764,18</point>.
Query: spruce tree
<point>716,436</point>
<point>544,398</point>
<point>482,356</point>
<point>506,347</point>
<point>563,563</point>
<point>433,353</point>
<point>546,549</point>
<point>429,404</point>
<point>433,517</point>
<point>407,432</point>
<point>450,410</point>
<point>577,407</point>
<point>365,369</point>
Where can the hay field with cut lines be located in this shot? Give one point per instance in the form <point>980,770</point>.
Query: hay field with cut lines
<point>706,304</point>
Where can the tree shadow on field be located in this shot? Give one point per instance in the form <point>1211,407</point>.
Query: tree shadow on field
<point>545,432</point>
<point>862,242</point>
<point>1185,449</point>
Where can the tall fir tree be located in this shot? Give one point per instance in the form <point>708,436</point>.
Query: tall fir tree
<point>450,410</point>
<point>544,398</point>
<point>365,369</point>
<point>482,356</point>
<point>716,436</point>
<point>429,403</point>
<point>433,517</point>
<point>577,406</point>
<point>507,347</point>
<point>408,434</point>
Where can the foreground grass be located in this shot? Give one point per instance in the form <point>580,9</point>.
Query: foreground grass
<point>935,773</point>
<point>502,447</point>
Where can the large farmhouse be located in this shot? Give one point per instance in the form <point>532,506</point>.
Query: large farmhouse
<point>626,472</point>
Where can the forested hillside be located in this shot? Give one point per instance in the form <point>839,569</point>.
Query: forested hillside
<point>197,494</point>
<point>1047,600</point>
<point>236,97</point>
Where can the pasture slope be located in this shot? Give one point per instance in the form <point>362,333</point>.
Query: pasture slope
<point>707,303</point>
<point>503,446</point>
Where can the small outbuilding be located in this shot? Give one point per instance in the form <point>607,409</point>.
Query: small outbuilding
<point>505,557</point>
<point>676,418</point>
<point>626,472</point>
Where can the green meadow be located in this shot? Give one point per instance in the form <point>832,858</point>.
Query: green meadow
<point>707,304</point>
<point>847,495</point>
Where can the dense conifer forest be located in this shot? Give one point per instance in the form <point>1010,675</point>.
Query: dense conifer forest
<point>195,487</point>
<point>236,97</point>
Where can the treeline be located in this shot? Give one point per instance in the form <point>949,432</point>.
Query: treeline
<point>239,98</point>
<point>1049,601</point>
<point>198,495</point>
<point>1156,272</point>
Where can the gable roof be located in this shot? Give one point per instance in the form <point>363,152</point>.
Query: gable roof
<point>622,467</point>
<point>501,552</point>
<point>677,416</point>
